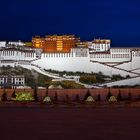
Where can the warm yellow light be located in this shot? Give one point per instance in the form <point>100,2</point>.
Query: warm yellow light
<point>37,45</point>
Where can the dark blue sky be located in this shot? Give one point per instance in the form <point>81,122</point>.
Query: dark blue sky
<point>118,20</point>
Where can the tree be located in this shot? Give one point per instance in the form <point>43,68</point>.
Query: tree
<point>116,77</point>
<point>46,92</point>
<point>139,97</point>
<point>70,84</point>
<point>88,79</point>
<point>129,96</point>
<point>77,98</point>
<point>108,95</point>
<point>68,100</point>
<point>98,97</point>
<point>100,73</point>
<point>4,96</point>
<point>87,95</point>
<point>119,97</point>
<point>127,76</point>
<point>35,94</point>
<point>55,97</point>
<point>14,94</point>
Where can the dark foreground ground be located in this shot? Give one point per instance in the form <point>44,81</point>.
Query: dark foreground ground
<point>69,123</point>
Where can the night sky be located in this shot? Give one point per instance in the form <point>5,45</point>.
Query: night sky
<point>118,20</point>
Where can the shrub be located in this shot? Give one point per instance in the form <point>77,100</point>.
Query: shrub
<point>112,99</point>
<point>23,96</point>
<point>90,99</point>
<point>47,99</point>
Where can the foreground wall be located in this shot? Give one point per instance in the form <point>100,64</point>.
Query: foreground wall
<point>72,93</point>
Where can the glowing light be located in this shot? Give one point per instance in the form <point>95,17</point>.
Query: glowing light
<point>23,96</point>
<point>90,99</point>
<point>112,99</point>
<point>47,99</point>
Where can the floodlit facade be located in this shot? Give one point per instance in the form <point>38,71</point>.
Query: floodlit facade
<point>38,42</point>
<point>12,81</point>
<point>100,45</point>
<point>66,53</point>
<point>55,43</point>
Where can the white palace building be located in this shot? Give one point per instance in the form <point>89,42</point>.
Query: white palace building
<point>97,57</point>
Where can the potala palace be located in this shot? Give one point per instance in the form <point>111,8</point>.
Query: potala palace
<point>67,53</point>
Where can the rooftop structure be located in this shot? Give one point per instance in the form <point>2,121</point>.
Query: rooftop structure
<point>55,43</point>
<point>100,45</point>
<point>2,44</point>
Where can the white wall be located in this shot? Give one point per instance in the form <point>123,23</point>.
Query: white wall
<point>77,64</point>
<point>69,62</point>
<point>16,55</point>
<point>132,82</point>
<point>2,44</point>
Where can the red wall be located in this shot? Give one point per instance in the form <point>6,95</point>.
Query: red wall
<point>135,92</point>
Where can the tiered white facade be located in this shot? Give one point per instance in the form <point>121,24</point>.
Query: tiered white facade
<point>98,57</point>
